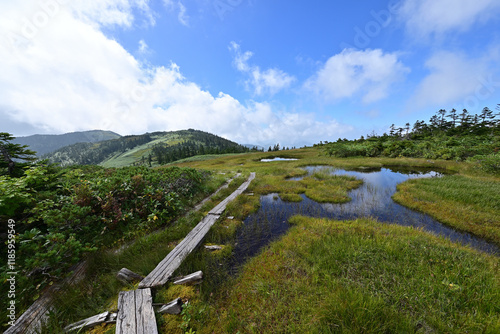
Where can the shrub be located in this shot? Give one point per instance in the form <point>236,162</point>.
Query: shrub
<point>489,163</point>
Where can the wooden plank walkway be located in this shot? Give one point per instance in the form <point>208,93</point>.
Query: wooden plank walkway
<point>138,321</point>
<point>135,313</point>
<point>164,270</point>
<point>224,186</point>
<point>32,320</point>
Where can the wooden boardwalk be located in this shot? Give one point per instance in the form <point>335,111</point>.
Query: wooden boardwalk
<point>135,313</point>
<point>135,310</point>
<point>32,320</point>
<point>162,273</point>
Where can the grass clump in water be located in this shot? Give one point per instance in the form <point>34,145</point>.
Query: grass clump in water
<point>466,203</point>
<point>360,276</point>
<point>321,187</point>
<point>325,188</point>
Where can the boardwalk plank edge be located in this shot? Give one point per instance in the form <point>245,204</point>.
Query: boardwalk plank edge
<point>164,270</point>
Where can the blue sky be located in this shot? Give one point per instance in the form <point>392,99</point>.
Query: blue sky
<point>253,71</point>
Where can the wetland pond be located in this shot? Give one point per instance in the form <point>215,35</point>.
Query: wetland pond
<point>277,159</point>
<point>372,199</point>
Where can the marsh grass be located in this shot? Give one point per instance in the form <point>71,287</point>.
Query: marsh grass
<point>322,276</point>
<point>324,188</point>
<point>360,276</point>
<point>470,204</point>
<point>292,287</point>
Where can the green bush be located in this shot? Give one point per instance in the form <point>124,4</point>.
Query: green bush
<point>63,214</point>
<point>489,163</point>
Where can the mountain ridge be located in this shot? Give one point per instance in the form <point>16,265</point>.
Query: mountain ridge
<point>46,143</point>
<point>157,148</point>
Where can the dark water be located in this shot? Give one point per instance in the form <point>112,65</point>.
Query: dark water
<point>372,199</point>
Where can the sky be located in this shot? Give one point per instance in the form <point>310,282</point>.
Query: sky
<point>253,71</point>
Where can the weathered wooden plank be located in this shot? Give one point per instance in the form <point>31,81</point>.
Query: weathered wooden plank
<point>161,271</point>
<point>135,313</point>
<point>225,185</point>
<point>161,274</point>
<point>111,318</point>
<point>127,276</point>
<point>174,307</point>
<point>219,209</point>
<point>87,323</point>
<point>164,270</point>
<point>145,315</point>
<point>36,315</point>
<point>192,278</point>
<point>126,320</point>
<point>213,247</point>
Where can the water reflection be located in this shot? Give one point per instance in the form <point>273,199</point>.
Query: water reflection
<point>372,199</point>
<point>278,159</point>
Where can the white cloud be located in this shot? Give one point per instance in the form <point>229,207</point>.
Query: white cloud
<point>183,17</point>
<point>108,12</point>
<point>454,77</point>
<point>143,47</point>
<point>351,73</point>
<point>179,7</point>
<point>427,17</point>
<point>68,76</point>
<point>270,81</point>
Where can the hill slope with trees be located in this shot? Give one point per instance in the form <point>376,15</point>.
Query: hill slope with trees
<point>149,149</point>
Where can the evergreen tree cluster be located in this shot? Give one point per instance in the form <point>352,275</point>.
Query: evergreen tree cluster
<point>449,135</point>
<point>13,157</point>
<point>199,143</point>
<point>451,123</point>
<point>276,148</point>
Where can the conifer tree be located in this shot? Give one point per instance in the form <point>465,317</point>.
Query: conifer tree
<point>13,156</point>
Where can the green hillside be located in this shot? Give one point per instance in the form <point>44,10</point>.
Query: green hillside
<point>149,149</point>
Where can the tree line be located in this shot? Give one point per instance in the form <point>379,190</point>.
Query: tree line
<point>199,144</point>
<point>451,123</point>
<point>95,153</point>
<point>448,135</point>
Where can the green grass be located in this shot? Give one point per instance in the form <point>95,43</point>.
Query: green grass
<point>360,276</point>
<point>466,203</point>
<point>323,276</point>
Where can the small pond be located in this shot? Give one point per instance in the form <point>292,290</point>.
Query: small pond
<point>372,199</point>
<point>278,159</point>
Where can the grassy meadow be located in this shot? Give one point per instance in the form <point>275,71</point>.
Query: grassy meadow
<point>360,276</point>
<point>470,204</point>
<point>322,276</point>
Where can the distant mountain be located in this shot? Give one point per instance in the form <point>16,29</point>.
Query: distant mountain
<point>149,149</point>
<point>43,144</point>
